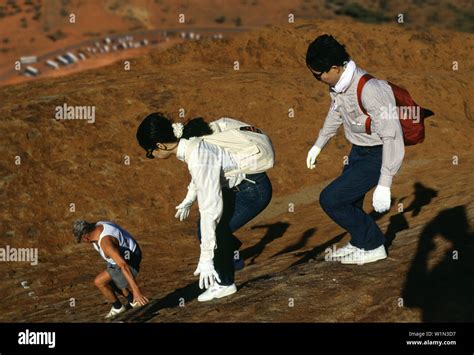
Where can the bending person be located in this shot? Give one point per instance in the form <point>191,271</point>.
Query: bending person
<point>229,195</point>
<point>374,158</point>
<point>123,256</point>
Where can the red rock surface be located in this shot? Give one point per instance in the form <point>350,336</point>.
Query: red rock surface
<point>64,162</point>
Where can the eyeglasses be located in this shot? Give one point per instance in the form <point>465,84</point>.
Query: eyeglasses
<point>317,76</point>
<point>149,153</point>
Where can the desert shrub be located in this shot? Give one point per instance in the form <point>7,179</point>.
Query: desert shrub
<point>220,19</point>
<point>238,21</point>
<point>361,13</point>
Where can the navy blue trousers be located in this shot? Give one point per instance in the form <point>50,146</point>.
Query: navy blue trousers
<point>241,205</point>
<point>343,198</point>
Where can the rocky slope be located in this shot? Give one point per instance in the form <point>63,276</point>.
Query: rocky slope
<point>101,169</point>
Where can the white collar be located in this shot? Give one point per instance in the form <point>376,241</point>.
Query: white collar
<point>346,78</point>
<point>180,153</point>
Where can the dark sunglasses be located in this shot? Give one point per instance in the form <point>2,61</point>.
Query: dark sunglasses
<point>317,76</point>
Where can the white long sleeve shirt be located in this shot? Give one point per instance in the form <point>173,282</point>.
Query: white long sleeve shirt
<point>377,96</point>
<point>207,165</point>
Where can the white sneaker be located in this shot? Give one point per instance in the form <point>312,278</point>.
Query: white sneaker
<point>361,256</point>
<point>217,291</point>
<point>114,312</point>
<point>341,252</point>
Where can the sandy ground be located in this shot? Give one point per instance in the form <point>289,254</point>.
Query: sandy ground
<point>286,277</point>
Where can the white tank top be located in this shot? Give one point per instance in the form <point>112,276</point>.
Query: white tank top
<point>124,238</point>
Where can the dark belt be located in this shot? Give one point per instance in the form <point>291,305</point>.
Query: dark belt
<point>368,146</point>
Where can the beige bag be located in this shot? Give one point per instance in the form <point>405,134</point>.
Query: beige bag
<point>251,147</point>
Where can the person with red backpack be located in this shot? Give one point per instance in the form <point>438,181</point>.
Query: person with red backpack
<point>369,110</point>
<point>227,160</point>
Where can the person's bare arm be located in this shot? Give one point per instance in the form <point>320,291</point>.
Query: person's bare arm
<point>110,248</point>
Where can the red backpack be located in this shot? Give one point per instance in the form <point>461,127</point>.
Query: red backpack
<point>413,132</point>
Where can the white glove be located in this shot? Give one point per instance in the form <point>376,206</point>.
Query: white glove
<point>312,155</point>
<point>185,207</point>
<point>381,199</point>
<point>207,274</point>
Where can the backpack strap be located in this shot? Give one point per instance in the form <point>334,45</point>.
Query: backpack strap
<point>251,129</point>
<point>192,143</point>
<point>360,86</point>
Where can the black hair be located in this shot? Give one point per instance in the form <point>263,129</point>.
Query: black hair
<point>157,128</point>
<point>324,52</point>
<point>196,127</point>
